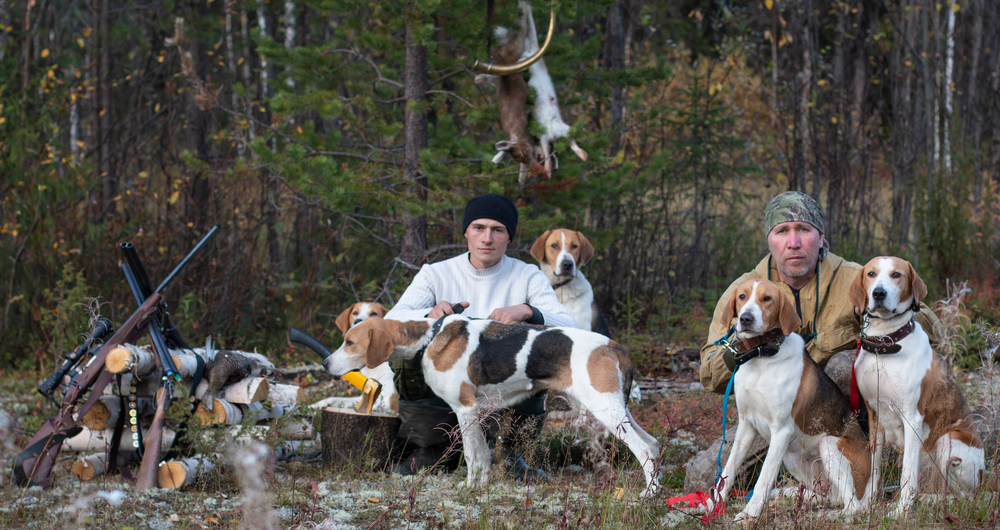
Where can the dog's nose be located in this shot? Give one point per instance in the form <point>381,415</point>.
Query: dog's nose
<point>878,294</point>
<point>746,320</point>
<point>566,266</point>
<point>357,321</point>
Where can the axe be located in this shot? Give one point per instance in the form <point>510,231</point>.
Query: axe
<point>370,388</point>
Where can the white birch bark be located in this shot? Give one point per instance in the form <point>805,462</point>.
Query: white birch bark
<point>289,35</point>
<point>949,67</point>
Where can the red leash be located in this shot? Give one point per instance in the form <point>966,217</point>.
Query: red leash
<point>855,395</point>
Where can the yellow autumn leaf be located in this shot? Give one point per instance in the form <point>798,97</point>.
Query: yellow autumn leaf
<point>833,120</point>
<point>821,82</point>
<point>955,8</point>
<point>79,41</point>
<point>79,144</point>
<point>769,3</point>
<point>143,174</point>
<point>159,59</point>
<point>174,196</point>
<point>619,158</point>
<point>117,198</point>
<point>156,108</point>
<point>370,499</point>
<point>288,298</point>
<point>619,493</point>
<point>2,119</point>
<point>782,40</point>
<point>45,53</point>
<point>87,32</point>
<point>16,298</point>
<point>211,519</point>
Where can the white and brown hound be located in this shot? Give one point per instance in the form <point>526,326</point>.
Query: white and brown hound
<point>560,254</point>
<point>476,365</point>
<point>388,398</point>
<point>912,398</point>
<point>784,396</point>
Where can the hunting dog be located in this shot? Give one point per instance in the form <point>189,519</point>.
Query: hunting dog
<point>561,253</point>
<point>476,365</point>
<point>784,396</point>
<point>912,398</point>
<point>388,399</point>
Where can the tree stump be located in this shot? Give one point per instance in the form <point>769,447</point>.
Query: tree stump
<point>363,440</point>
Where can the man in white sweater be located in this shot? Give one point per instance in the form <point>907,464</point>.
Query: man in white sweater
<point>488,284</point>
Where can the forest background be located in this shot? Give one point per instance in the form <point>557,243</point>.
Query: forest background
<point>334,142</point>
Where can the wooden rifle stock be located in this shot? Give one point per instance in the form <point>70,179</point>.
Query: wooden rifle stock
<point>152,444</point>
<point>34,465</point>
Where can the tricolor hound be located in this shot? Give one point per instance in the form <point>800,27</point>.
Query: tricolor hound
<point>561,253</point>
<point>912,398</point>
<point>478,364</point>
<point>784,396</point>
<point>388,399</point>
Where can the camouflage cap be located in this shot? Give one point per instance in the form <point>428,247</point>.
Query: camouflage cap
<point>792,206</point>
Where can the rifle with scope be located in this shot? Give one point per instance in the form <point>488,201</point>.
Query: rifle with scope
<point>34,464</point>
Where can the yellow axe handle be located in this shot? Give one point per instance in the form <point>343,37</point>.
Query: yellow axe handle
<point>355,378</point>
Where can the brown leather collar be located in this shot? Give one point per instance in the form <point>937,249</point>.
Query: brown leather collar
<point>764,345</point>
<point>887,343</point>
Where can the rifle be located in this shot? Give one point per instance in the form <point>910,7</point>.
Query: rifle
<point>34,464</point>
<point>101,328</point>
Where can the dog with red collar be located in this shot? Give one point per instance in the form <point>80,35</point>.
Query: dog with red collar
<point>912,397</point>
<point>476,365</point>
<point>784,396</point>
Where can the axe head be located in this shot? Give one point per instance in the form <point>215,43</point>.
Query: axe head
<point>368,396</point>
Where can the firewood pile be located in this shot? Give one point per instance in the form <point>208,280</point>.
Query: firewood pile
<point>237,397</point>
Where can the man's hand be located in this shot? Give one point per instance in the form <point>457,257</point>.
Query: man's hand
<point>444,308</point>
<point>514,313</point>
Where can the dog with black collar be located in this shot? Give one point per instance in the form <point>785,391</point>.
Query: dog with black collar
<point>785,397</point>
<point>912,397</point>
<point>476,365</point>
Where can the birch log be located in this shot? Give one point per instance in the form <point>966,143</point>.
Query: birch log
<point>88,467</point>
<point>223,413</point>
<point>90,441</point>
<point>246,391</point>
<point>128,357</point>
<point>285,394</point>
<point>179,474</point>
<point>103,414</point>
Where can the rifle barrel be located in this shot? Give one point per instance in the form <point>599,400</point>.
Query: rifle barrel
<point>186,259</point>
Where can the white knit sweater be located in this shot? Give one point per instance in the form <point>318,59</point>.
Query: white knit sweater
<point>507,283</point>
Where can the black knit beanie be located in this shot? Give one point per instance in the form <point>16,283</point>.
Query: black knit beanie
<point>491,206</point>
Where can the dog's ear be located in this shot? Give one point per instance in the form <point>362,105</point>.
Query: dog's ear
<point>857,293</point>
<point>917,285</point>
<point>787,315</point>
<point>538,247</point>
<point>730,311</point>
<point>344,320</point>
<point>380,347</point>
<point>586,250</point>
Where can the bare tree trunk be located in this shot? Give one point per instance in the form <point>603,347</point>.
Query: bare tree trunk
<point>415,132</point>
<point>289,35</point>
<point>774,58</point>
<point>613,58</point>
<point>197,132</point>
<point>974,118</point>
<point>269,188</point>
<point>245,33</point>
<point>4,24</point>
<point>949,66</point>
<point>800,134</point>
<point>904,120</point>
<point>104,133</point>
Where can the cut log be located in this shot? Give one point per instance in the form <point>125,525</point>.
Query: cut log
<point>88,467</point>
<point>179,474</point>
<point>246,391</point>
<point>357,439</point>
<point>89,441</point>
<point>285,394</point>
<point>186,363</point>
<point>223,413</point>
<point>128,357</point>
<point>103,414</point>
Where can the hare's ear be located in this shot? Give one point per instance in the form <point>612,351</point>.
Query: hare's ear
<point>917,285</point>
<point>344,320</point>
<point>380,347</point>
<point>538,247</point>
<point>586,250</point>
<point>858,293</point>
<point>787,316</point>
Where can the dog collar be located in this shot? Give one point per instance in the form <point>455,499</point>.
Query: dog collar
<point>765,345</point>
<point>887,343</point>
<point>564,282</point>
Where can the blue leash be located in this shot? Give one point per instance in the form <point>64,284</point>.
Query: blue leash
<point>725,409</point>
